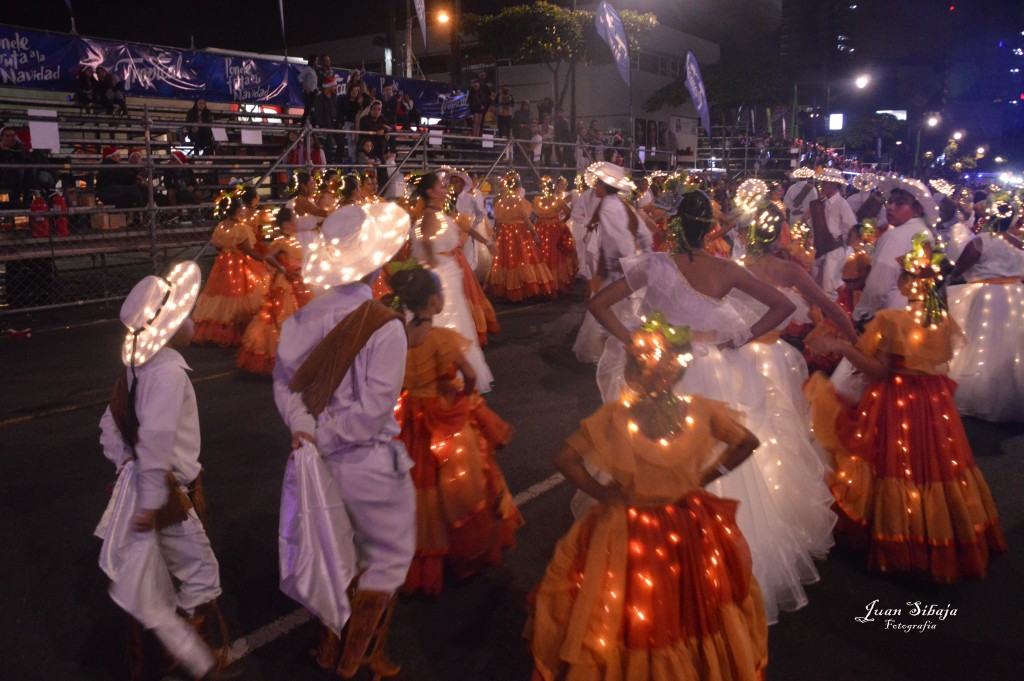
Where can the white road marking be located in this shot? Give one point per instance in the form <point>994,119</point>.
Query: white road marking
<point>284,625</point>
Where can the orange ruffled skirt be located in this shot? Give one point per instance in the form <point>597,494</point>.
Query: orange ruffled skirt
<point>233,293</point>
<point>905,479</point>
<point>484,318</point>
<point>465,517</point>
<point>558,252</point>
<point>259,342</point>
<point>659,593</point>
<point>517,272</point>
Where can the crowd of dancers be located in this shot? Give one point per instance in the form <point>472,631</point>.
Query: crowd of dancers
<point>777,375</point>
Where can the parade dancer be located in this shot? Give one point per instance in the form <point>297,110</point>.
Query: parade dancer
<point>557,246</point>
<point>906,483</point>
<point>654,583</point>
<point>339,371</point>
<point>152,529</point>
<point>517,272</point>
<point>465,513</point>
<point>830,237</point>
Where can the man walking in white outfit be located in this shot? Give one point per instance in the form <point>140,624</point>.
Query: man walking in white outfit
<point>338,375</point>
<point>839,219</point>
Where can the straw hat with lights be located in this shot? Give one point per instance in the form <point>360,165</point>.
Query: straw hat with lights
<point>833,175</point>
<point>865,182</point>
<point>610,174</point>
<point>915,188</point>
<point>155,310</point>
<point>354,241</point>
<point>802,173</point>
<point>942,187</point>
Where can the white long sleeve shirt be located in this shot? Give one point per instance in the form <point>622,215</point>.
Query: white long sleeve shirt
<point>583,206</point>
<point>360,414</point>
<point>616,240</point>
<point>798,210</point>
<point>165,403</point>
<point>838,216</point>
<point>881,291</point>
<point>467,204</point>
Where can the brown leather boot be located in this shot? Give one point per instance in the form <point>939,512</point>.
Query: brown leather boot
<point>369,609</point>
<point>380,664</point>
<point>208,622</point>
<point>329,650</point>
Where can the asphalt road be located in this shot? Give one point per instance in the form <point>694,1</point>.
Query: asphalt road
<point>57,622</point>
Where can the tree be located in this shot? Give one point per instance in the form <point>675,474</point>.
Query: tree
<point>543,33</point>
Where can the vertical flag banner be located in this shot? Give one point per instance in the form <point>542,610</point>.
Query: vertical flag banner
<point>695,84</point>
<point>609,27</point>
<point>421,14</point>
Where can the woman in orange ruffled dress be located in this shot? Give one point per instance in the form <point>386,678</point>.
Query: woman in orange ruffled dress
<point>286,293</point>
<point>234,290</point>
<point>517,272</point>
<point>255,217</point>
<point>465,513</point>
<point>905,478</point>
<point>557,245</point>
<point>655,582</point>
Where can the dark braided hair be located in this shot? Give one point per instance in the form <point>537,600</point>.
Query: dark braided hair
<point>414,287</point>
<point>692,221</point>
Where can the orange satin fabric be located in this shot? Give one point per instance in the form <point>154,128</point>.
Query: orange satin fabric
<point>484,318</point>
<point>558,252</point>
<point>517,272</point>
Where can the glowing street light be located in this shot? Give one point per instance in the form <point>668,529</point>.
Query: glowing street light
<point>862,81</point>
<point>933,121</point>
<point>443,17</point>
<point>981,151</point>
<point>958,135</point>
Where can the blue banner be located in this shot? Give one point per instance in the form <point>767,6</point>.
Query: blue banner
<point>38,60</point>
<point>609,27</point>
<point>47,61</point>
<point>695,84</point>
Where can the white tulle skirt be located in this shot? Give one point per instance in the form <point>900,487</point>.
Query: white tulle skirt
<point>456,315</point>
<point>989,366</point>
<point>785,506</point>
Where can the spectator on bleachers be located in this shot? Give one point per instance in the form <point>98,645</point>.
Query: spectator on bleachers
<point>15,182</point>
<point>348,109</point>
<point>563,138</point>
<point>536,143</point>
<point>547,134</point>
<point>355,81</point>
<point>325,115</point>
<point>374,128</point>
<point>108,92</point>
<point>506,103</point>
<point>201,138</point>
<point>478,100</point>
<point>180,181</point>
<point>324,71</point>
<point>309,81</point>
<point>115,185</point>
<point>407,115</point>
<point>389,110</point>
<point>521,121</point>
<point>83,86</point>
<point>545,107</point>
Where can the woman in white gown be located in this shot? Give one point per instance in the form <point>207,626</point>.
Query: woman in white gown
<point>690,289</point>
<point>989,309</point>
<point>435,239</point>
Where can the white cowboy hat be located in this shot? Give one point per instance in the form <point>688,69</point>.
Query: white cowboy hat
<point>865,182</point>
<point>833,175</point>
<point>354,241</point>
<point>609,173</point>
<point>154,310</point>
<point>942,187</point>
<point>918,190</point>
<point>802,173</point>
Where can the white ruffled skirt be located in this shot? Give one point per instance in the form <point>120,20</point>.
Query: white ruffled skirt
<point>456,315</point>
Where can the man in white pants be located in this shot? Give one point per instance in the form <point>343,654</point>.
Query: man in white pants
<point>152,528</point>
<point>337,378</point>
<point>839,220</point>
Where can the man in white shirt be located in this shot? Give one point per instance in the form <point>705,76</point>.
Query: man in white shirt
<point>309,81</point>
<point>839,219</point>
<point>583,204</point>
<point>344,403</point>
<point>151,528</point>
<point>909,211</point>
<point>469,202</point>
<point>800,194</point>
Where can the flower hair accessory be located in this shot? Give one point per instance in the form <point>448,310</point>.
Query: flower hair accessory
<point>923,264</point>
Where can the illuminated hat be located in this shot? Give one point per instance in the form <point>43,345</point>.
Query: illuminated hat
<point>865,182</point>
<point>154,310</point>
<point>751,192</point>
<point>833,175</point>
<point>609,173</point>
<point>915,188</point>
<point>354,241</point>
<point>942,187</point>
<point>802,173</point>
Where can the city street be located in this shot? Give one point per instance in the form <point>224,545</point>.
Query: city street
<point>58,622</point>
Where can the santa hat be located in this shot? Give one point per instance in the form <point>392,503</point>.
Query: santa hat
<point>111,152</point>
<point>179,156</point>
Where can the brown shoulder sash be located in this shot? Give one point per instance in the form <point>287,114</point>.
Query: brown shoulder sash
<point>869,208</point>
<point>802,194</point>
<point>325,367</point>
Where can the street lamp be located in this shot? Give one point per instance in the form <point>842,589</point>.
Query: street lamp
<point>958,135</point>
<point>933,121</point>
<point>443,17</point>
<point>862,81</point>
<point>981,151</point>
